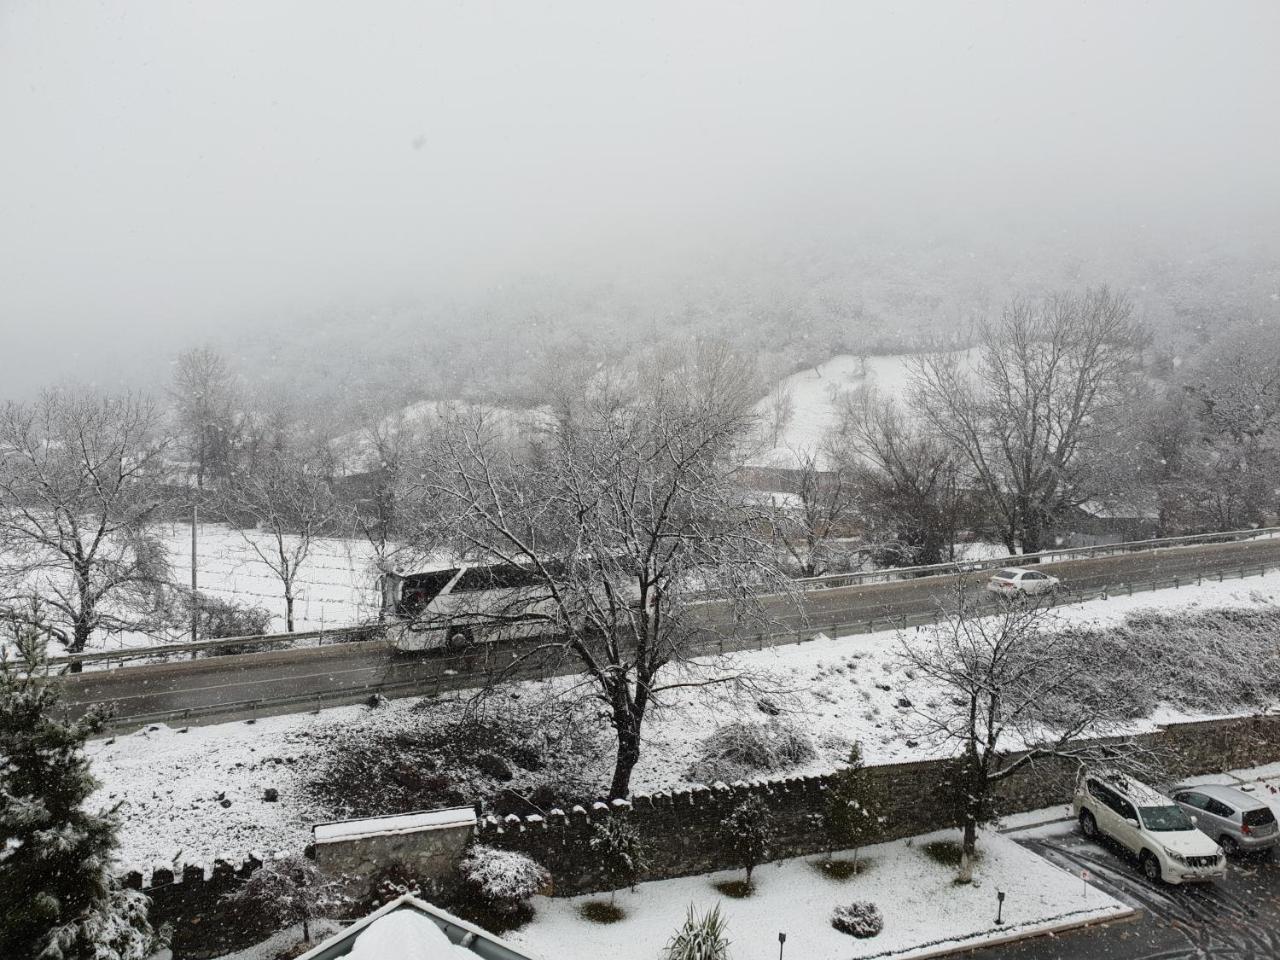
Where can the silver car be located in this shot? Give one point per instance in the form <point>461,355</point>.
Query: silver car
<point>1019,581</point>
<point>1238,821</point>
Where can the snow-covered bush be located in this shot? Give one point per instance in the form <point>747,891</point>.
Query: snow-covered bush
<point>859,919</point>
<point>217,618</point>
<point>700,937</point>
<point>621,849</point>
<point>504,879</point>
<point>740,750</point>
<point>287,890</point>
<point>1156,657</point>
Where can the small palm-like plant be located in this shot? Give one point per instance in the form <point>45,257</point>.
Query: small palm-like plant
<point>700,938</point>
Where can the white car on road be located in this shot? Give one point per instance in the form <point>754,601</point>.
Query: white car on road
<point>1149,825</point>
<point>1019,581</point>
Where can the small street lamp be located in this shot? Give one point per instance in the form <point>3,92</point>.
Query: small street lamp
<point>782,938</point>
<point>999,907</point>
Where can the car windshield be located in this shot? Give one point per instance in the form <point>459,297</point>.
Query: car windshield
<point>1007,574</point>
<point>1168,818</point>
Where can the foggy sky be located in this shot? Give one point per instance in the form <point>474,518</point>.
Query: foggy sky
<point>172,169</point>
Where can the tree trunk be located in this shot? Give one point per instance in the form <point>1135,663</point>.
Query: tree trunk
<point>628,755</point>
<point>288,609</point>
<point>306,930</point>
<point>83,626</point>
<point>968,847</point>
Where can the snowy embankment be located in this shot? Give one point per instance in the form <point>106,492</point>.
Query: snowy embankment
<point>196,795</point>
<point>922,906</point>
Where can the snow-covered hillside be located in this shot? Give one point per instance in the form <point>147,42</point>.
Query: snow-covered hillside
<point>814,400</point>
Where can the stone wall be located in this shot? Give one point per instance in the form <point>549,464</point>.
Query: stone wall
<point>683,827</point>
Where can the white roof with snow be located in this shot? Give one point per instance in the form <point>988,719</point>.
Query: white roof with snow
<point>341,830</point>
<point>411,929</point>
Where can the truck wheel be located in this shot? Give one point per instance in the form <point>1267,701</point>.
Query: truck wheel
<point>1088,825</point>
<point>460,639</point>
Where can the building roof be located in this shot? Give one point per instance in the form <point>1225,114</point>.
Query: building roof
<point>411,929</point>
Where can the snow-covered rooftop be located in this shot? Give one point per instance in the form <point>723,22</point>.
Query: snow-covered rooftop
<point>411,929</point>
<point>388,826</point>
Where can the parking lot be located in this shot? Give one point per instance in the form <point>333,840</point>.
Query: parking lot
<point>1235,919</point>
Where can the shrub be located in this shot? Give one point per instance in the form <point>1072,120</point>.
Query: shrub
<point>285,891</point>
<point>394,880</point>
<point>601,911</point>
<point>621,850</point>
<point>739,750</point>
<point>700,938</point>
<point>859,919</point>
<point>747,834</point>
<point>503,879</point>
<point>218,618</point>
<point>397,760</point>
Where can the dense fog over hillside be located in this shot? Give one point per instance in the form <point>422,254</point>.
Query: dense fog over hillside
<point>437,196</point>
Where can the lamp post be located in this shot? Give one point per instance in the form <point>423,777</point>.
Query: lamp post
<point>999,907</point>
<point>782,938</point>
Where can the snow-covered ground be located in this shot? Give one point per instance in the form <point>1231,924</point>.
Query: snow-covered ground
<point>173,784</point>
<point>921,904</point>
<point>814,395</point>
<point>337,583</point>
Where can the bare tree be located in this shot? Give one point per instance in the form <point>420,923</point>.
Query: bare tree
<point>907,479</point>
<point>1048,381</point>
<point>206,400</point>
<point>821,506</point>
<point>78,475</point>
<point>1012,696</point>
<point>280,510</point>
<point>622,512</point>
<point>388,443</point>
<point>780,409</point>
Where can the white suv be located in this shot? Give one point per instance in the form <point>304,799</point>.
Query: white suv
<point>1149,825</point>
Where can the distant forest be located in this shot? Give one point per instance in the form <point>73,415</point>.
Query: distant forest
<point>788,310</point>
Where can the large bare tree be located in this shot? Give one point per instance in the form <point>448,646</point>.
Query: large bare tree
<point>907,478</point>
<point>78,474</point>
<point>623,512</point>
<point>1005,694</point>
<point>820,507</point>
<point>1048,379</point>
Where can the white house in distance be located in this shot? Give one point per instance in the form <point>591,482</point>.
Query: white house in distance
<point>410,929</point>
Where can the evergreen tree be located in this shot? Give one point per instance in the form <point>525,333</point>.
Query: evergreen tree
<point>58,899</point>
<point>852,813</point>
<point>621,851</point>
<point>748,833</point>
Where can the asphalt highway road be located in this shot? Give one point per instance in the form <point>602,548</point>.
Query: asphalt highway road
<point>1234,919</point>
<point>290,680</point>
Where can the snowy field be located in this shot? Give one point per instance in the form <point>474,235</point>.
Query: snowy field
<point>815,394</point>
<point>336,586</point>
<point>917,896</point>
<point>173,785</point>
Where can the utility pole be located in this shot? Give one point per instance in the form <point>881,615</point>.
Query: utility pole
<point>195,597</point>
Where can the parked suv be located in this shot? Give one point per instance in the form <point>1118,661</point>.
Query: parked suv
<point>1018,581</point>
<point>1236,820</point>
<point>1149,825</point>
